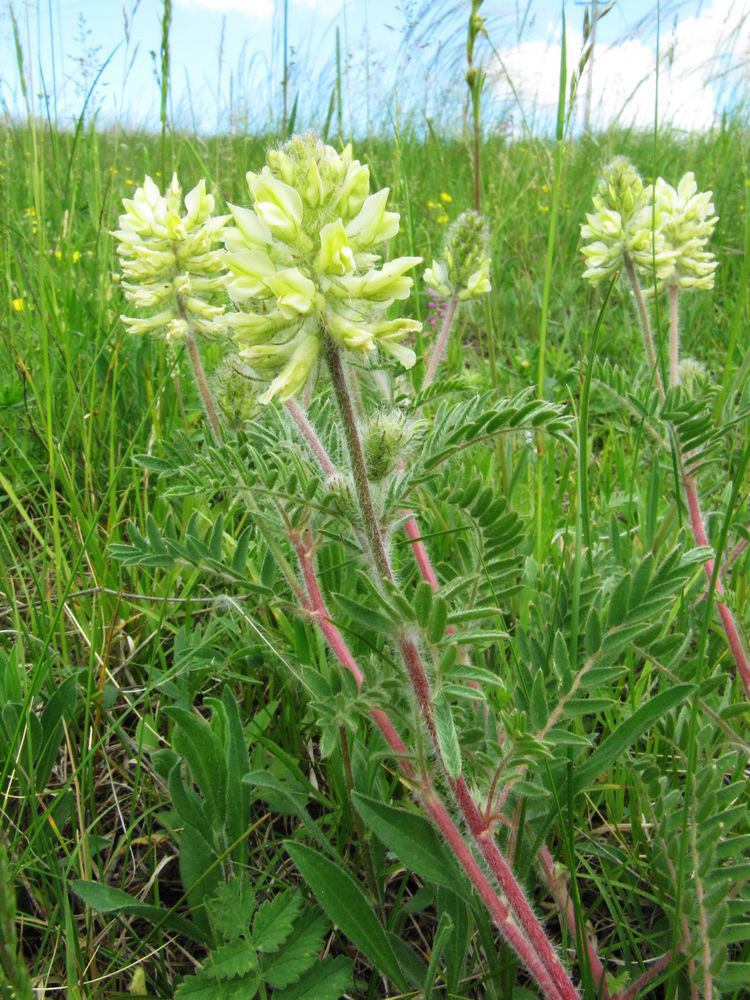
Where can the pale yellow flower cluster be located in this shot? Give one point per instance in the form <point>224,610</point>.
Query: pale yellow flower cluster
<point>171,259</point>
<point>662,231</point>
<point>301,265</point>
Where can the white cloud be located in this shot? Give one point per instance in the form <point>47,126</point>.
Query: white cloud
<point>701,60</point>
<point>260,9</point>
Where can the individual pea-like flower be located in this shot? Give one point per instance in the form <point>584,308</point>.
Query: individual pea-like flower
<point>171,260</point>
<point>302,265</point>
<point>626,222</point>
<point>464,268</point>
<point>687,224</point>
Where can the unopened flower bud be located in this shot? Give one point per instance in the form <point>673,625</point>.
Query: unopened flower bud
<point>464,269</point>
<point>385,440</point>
<point>236,393</point>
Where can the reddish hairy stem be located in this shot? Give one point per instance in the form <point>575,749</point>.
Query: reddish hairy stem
<point>442,340</point>
<point>307,430</point>
<point>478,825</point>
<point>420,682</point>
<point>202,382</point>
<point>411,528</point>
<point>559,890</point>
<point>659,966</point>
<point>426,795</point>
<point>727,618</point>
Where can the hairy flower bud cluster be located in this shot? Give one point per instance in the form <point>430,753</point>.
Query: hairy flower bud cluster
<point>464,268</point>
<point>385,440</point>
<point>236,393</point>
<point>302,267</point>
<point>170,260</point>
<point>662,230</point>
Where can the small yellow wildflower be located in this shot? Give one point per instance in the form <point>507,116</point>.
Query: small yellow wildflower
<point>442,219</point>
<point>545,188</point>
<point>30,212</point>
<point>444,196</point>
<point>58,254</point>
<point>75,256</point>
<point>130,181</point>
<point>18,305</point>
<point>432,204</point>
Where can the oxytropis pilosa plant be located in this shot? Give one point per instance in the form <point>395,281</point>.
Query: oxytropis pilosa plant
<point>481,677</point>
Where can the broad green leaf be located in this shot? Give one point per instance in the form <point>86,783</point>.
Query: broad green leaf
<point>107,899</point>
<point>593,637</point>
<point>422,602</point>
<point>204,987</point>
<point>239,559</point>
<point>231,908</point>
<point>346,906</point>
<point>628,732</point>
<point>274,919</point>
<point>327,980</point>
<point>199,872</point>
<point>412,839</point>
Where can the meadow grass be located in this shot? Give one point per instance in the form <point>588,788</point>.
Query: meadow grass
<point>80,399</point>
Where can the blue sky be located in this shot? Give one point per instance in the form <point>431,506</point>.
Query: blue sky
<point>65,42</point>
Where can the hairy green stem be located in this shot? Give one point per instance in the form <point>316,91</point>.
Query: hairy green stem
<point>674,336</point>
<point>357,458</point>
<point>645,322</point>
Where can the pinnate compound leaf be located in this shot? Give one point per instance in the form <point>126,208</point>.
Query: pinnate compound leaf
<point>327,980</point>
<point>346,906</point>
<point>274,919</point>
<point>204,987</point>
<point>231,908</point>
<point>628,732</point>
<point>230,960</point>
<point>299,953</point>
